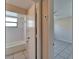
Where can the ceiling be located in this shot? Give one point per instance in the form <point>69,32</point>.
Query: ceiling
<point>21,3</point>
<point>62,8</point>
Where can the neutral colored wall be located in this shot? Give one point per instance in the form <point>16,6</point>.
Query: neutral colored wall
<point>63,29</point>
<point>62,8</point>
<point>17,33</point>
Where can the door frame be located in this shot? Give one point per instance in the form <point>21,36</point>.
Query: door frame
<point>47,29</point>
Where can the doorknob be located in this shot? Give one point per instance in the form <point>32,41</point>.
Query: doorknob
<point>28,37</point>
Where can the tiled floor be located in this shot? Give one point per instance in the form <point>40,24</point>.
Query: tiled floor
<point>62,50</point>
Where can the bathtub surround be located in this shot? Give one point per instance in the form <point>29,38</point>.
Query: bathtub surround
<point>16,46</point>
<point>14,34</point>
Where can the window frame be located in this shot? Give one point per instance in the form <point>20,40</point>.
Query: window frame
<point>11,22</point>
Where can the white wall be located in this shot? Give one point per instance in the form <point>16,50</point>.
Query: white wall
<point>63,20</point>
<point>63,29</point>
<point>16,34</point>
<point>62,8</point>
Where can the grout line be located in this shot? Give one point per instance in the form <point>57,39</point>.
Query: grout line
<point>61,51</point>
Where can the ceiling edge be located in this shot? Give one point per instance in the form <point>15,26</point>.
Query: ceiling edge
<point>16,9</point>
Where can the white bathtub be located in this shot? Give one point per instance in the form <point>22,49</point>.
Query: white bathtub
<point>14,47</point>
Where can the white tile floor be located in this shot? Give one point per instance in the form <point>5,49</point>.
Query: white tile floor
<point>62,50</point>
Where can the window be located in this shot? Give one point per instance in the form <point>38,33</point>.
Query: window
<point>11,19</point>
<point>11,22</point>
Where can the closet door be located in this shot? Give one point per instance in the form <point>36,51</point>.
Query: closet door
<point>30,33</point>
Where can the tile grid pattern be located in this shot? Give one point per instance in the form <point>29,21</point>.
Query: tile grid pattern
<point>62,50</point>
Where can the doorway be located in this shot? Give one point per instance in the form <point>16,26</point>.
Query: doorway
<point>63,29</point>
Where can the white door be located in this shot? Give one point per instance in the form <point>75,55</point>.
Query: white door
<point>30,33</point>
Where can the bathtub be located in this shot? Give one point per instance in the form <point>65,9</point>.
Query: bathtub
<point>14,47</point>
